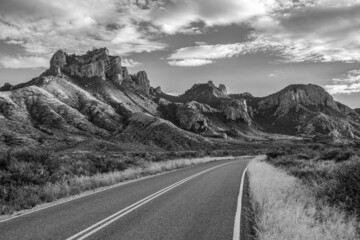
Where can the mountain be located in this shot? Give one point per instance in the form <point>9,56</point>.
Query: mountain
<point>92,102</point>
<point>86,100</point>
<point>297,110</point>
<point>306,110</point>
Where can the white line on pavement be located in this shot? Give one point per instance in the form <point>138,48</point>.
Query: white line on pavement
<point>105,222</point>
<point>237,223</point>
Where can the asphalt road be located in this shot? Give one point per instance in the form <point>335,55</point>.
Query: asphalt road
<point>194,203</point>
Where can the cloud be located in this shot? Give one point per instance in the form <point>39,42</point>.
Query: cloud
<point>207,51</point>
<point>127,62</point>
<point>348,83</point>
<point>291,30</point>
<point>273,75</point>
<point>42,27</point>
<point>285,51</point>
<point>190,62</point>
<point>343,88</point>
<point>24,62</point>
<point>178,15</point>
<point>321,31</point>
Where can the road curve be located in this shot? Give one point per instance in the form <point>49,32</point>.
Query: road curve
<point>198,202</point>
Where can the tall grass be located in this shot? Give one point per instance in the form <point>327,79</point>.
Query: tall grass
<point>286,209</point>
<point>83,183</point>
<point>17,194</point>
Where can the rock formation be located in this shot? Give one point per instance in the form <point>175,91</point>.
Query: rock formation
<point>142,82</point>
<point>223,89</point>
<point>236,109</point>
<point>6,87</point>
<point>96,64</point>
<point>305,109</point>
<point>92,97</point>
<point>204,93</point>
<point>190,118</point>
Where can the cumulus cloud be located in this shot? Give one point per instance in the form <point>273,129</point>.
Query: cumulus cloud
<point>43,26</point>
<point>128,62</point>
<point>273,75</point>
<point>292,30</point>
<point>346,84</point>
<point>175,16</point>
<point>24,62</point>
<point>323,31</point>
<point>343,88</point>
<point>191,62</point>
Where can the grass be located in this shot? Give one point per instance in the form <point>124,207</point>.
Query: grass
<point>29,178</point>
<point>285,208</point>
<point>333,174</point>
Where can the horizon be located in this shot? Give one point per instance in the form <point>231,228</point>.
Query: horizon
<point>250,46</point>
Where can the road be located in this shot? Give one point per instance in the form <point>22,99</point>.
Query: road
<point>194,203</point>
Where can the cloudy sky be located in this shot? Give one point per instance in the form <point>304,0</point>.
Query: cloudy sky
<point>257,46</point>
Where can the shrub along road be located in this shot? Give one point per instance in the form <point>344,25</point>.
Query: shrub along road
<point>197,202</point>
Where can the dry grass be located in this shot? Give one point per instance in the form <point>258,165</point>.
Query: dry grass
<point>287,209</point>
<point>76,185</point>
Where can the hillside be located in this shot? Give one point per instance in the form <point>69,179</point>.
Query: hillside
<point>86,100</point>
<point>83,101</point>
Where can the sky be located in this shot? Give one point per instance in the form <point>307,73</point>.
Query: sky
<point>256,46</point>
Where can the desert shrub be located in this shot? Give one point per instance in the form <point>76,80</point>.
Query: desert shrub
<point>330,154</point>
<point>337,155</point>
<point>303,156</point>
<point>344,188</point>
<point>275,154</point>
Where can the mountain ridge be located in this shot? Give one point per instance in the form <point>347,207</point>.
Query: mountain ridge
<point>92,97</point>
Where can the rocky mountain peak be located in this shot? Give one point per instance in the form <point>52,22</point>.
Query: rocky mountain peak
<point>299,95</point>
<point>97,63</point>
<point>6,87</point>
<point>206,93</point>
<point>211,84</point>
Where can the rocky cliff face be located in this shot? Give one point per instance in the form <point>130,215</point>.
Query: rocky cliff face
<point>222,88</point>
<point>310,97</point>
<point>96,64</point>
<point>142,81</point>
<point>92,96</point>
<point>82,99</point>
<point>236,109</point>
<point>206,93</point>
<point>305,109</point>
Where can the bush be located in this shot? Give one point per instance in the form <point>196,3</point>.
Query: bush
<point>337,155</point>
<point>275,154</point>
<point>330,154</point>
<point>344,189</point>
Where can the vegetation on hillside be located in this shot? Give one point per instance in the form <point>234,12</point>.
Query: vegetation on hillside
<point>332,172</point>
<point>29,177</point>
<point>285,208</point>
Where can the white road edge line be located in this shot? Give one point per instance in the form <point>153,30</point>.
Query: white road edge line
<point>127,208</point>
<point>237,222</point>
<point>95,191</point>
<point>107,221</point>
